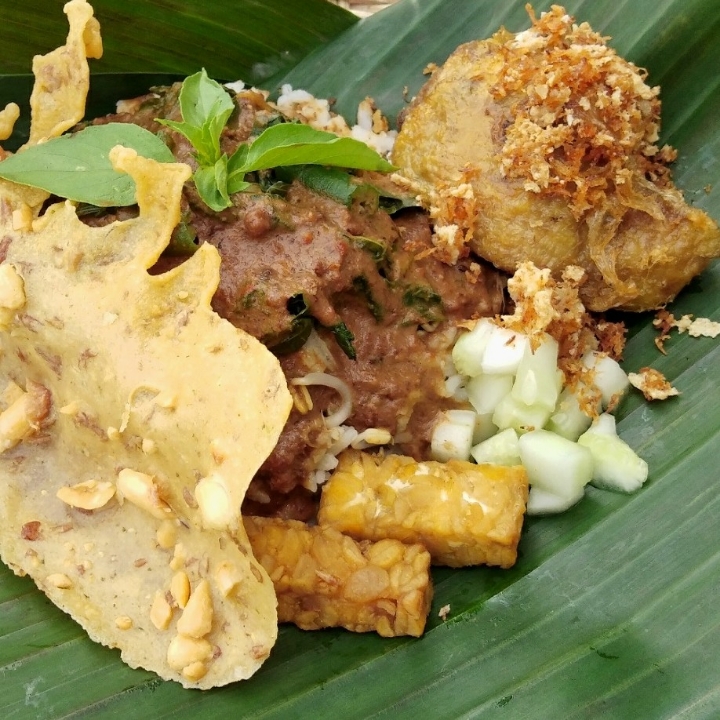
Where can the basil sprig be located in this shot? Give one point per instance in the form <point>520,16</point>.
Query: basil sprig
<point>77,166</point>
<point>206,106</point>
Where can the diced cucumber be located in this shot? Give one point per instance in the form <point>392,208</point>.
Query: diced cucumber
<point>510,413</point>
<point>536,378</point>
<point>469,348</point>
<point>500,449</point>
<point>609,378</point>
<point>484,428</point>
<point>542,502</point>
<point>568,420</point>
<point>616,466</point>
<point>461,417</point>
<point>452,436</point>
<point>486,391</point>
<point>504,350</point>
<point>555,464</point>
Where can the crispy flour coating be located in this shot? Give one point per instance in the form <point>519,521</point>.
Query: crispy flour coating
<point>133,419</point>
<point>542,146</point>
<point>131,409</point>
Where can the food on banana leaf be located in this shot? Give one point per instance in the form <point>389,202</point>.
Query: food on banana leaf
<point>132,421</point>
<point>338,279</point>
<point>542,146</point>
<point>324,578</point>
<point>465,514</point>
<point>351,294</point>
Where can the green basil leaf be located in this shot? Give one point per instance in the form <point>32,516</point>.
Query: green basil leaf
<point>293,144</point>
<point>333,182</point>
<point>221,178</point>
<point>204,102</point>
<point>235,173</point>
<point>77,166</point>
<point>391,202</point>
<point>211,184</point>
<point>425,301</point>
<point>236,184</point>
<point>362,286</point>
<point>420,296</point>
<point>394,203</point>
<point>205,106</point>
<point>376,247</point>
<point>194,134</point>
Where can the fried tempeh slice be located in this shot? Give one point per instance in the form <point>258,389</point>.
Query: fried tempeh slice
<point>325,579</point>
<point>464,514</point>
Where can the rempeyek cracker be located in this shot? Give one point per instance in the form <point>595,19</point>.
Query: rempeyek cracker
<point>132,419</point>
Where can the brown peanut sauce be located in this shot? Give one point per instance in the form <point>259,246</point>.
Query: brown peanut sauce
<point>301,258</point>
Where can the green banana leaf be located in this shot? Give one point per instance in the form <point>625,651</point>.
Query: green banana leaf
<point>611,609</point>
<point>231,39</point>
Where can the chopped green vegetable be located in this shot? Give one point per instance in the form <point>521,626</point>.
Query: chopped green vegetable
<point>425,301</point>
<point>555,466</point>
<point>376,247</point>
<point>344,337</point>
<point>500,449</point>
<point>616,466</point>
<point>332,182</point>
<point>362,286</point>
<point>452,435</point>
<point>77,166</point>
<point>291,340</point>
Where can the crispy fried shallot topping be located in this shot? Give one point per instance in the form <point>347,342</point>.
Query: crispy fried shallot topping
<point>587,121</point>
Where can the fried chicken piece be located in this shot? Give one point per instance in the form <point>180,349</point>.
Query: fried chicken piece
<point>541,146</point>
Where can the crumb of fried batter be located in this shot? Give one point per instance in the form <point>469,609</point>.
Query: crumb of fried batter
<point>427,252</point>
<point>430,68</point>
<point>703,327</point>
<point>545,305</point>
<point>586,122</point>
<point>453,210</point>
<point>665,321</point>
<point>653,384</point>
<point>611,338</point>
<point>472,274</point>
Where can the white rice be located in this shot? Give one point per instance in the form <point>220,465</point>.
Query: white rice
<point>343,437</point>
<point>315,112</point>
<point>236,87</point>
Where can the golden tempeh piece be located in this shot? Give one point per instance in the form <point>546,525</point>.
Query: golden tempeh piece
<point>464,514</point>
<point>325,579</point>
